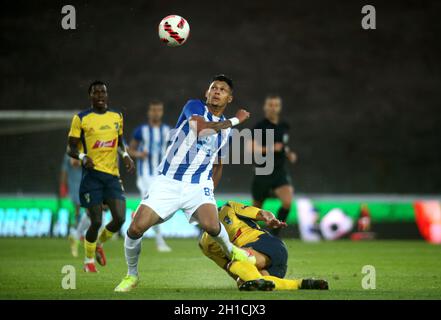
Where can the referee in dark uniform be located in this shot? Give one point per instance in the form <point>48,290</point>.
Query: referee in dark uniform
<point>278,184</point>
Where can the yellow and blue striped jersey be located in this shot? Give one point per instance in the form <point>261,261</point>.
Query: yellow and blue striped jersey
<point>99,134</point>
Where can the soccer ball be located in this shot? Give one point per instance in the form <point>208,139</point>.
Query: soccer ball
<point>174,30</point>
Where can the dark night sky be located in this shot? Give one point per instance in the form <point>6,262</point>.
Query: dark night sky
<point>364,106</point>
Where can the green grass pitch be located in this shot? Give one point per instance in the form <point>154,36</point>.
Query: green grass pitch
<point>31,269</point>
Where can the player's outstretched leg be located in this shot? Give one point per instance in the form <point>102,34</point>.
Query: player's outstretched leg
<point>251,277</point>
<point>207,217</point>
<point>269,283</point>
<point>255,281</point>
<point>161,245</point>
<point>95,213</point>
<point>117,209</point>
<point>284,284</point>
<point>143,219</point>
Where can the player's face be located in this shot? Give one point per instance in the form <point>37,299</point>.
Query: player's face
<point>219,94</point>
<point>98,95</point>
<point>272,107</point>
<point>155,112</point>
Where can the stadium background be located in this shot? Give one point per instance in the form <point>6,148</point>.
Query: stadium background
<point>365,122</point>
<point>363,105</point>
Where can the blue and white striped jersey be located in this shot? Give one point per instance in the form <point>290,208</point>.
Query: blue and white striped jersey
<point>153,140</point>
<point>189,158</point>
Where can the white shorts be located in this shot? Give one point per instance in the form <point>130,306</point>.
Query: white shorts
<point>167,195</point>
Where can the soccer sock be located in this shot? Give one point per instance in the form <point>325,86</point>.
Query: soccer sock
<point>284,284</point>
<point>132,249</point>
<point>104,236</point>
<point>89,248</point>
<point>83,225</point>
<point>223,240</point>
<point>245,270</point>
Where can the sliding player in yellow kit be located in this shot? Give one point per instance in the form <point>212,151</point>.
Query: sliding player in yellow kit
<point>270,252</point>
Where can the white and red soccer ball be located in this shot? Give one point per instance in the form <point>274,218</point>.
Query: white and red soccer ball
<point>174,30</point>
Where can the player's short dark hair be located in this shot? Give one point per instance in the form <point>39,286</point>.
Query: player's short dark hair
<point>273,96</point>
<point>96,83</point>
<point>155,102</point>
<point>224,78</point>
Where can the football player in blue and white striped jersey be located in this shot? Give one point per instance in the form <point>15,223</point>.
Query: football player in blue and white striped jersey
<point>188,174</point>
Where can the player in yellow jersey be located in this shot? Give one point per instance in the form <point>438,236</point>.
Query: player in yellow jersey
<point>95,138</point>
<point>240,221</point>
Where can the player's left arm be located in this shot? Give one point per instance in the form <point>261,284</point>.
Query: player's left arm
<point>218,166</point>
<point>217,173</point>
<point>122,150</point>
<point>74,139</point>
<point>270,220</point>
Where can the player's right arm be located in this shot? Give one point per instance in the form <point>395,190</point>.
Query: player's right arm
<point>194,111</point>
<point>204,127</point>
<point>73,142</point>
<point>256,214</point>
